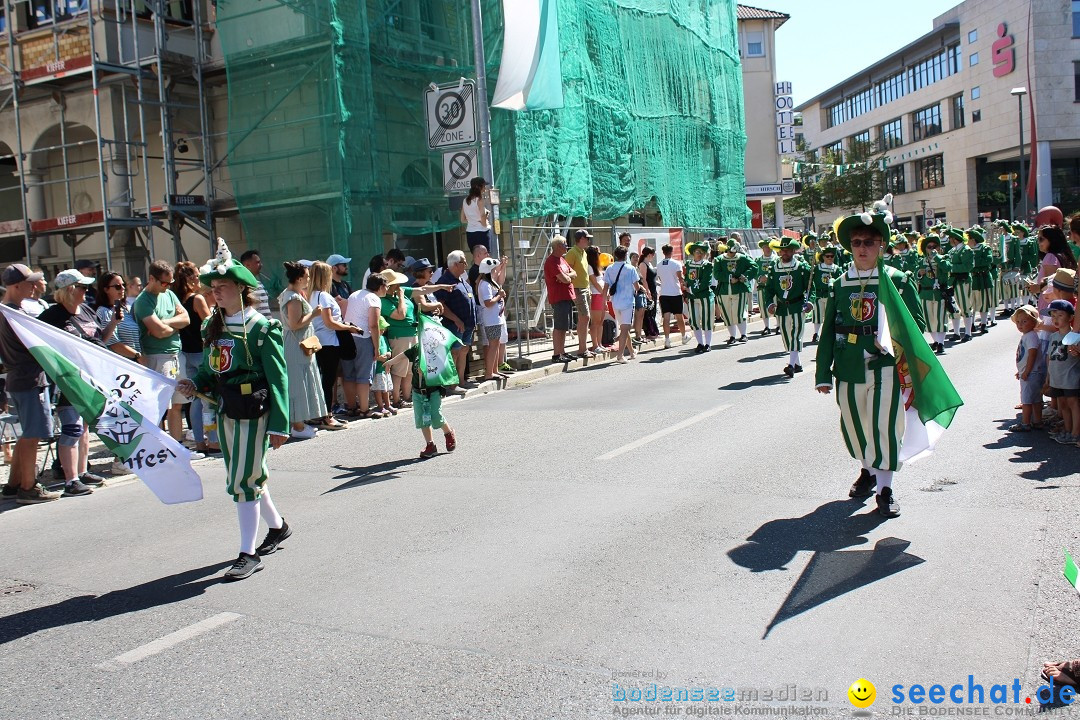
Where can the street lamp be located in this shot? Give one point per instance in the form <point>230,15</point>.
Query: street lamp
<point>1020,92</point>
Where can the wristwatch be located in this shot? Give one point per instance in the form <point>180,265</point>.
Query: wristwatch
<point>138,357</point>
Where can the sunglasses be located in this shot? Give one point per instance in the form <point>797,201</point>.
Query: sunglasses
<point>864,243</point>
<point>115,287</point>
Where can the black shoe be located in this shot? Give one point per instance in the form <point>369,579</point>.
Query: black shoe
<point>798,368</point>
<point>955,337</point>
<point>10,491</point>
<point>814,339</point>
<point>245,566</point>
<point>886,504</point>
<point>965,338</point>
<point>743,339</point>
<point>993,323</point>
<point>707,348</point>
<point>732,340</point>
<point>274,538</point>
<point>89,478</point>
<point>789,371</point>
<point>699,349</point>
<point>863,487</point>
<point>939,348</point>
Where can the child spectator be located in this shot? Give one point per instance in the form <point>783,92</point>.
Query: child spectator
<point>382,383</point>
<point>1064,373</point>
<point>427,408</point>
<point>1030,369</point>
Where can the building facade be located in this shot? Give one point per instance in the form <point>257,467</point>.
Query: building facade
<point>947,113</point>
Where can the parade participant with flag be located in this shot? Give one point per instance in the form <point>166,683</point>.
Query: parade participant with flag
<point>790,286</point>
<point>243,373</point>
<point>932,280</point>
<point>733,269</point>
<point>895,399</point>
<point>433,370</point>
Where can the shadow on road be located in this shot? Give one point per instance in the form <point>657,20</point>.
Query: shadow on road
<point>757,382</point>
<point>826,532</point>
<point>88,608</point>
<point>765,356</point>
<point>1034,449</point>
<point>360,476</point>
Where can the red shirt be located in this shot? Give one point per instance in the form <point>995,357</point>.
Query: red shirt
<point>557,291</point>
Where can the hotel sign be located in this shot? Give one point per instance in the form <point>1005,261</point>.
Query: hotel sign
<point>785,119</point>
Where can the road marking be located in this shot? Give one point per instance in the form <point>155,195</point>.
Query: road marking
<point>171,640</point>
<point>663,433</point>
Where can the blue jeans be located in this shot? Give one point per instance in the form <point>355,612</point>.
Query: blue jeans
<point>201,414</point>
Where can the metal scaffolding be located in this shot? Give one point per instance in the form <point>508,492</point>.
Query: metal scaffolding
<point>144,64</point>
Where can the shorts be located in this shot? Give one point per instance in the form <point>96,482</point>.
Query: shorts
<point>583,303</point>
<point>362,367</point>
<point>169,365</point>
<point>430,405</point>
<point>1031,389</point>
<point>381,382</point>
<point>671,304</point>
<point>401,368</point>
<point>465,336</point>
<point>32,407</point>
<point>496,333</point>
<point>596,303</point>
<point>562,310</point>
<point>1063,392</point>
<point>479,237</point>
<point>624,316</point>
<point>71,426</point>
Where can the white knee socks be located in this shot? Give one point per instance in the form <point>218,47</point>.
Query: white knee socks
<point>969,322</point>
<point>884,479</point>
<point>817,328</point>
<point>699,337</point>
<point>742,329</point>
<point>269,512</point>
<point>793,358</point>
<point>248,515</point>
<point>708,337</point>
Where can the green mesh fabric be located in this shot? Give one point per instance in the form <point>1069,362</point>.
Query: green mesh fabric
<point>327,139</point>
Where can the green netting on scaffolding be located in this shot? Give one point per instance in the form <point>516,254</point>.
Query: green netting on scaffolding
<point>327,139</point>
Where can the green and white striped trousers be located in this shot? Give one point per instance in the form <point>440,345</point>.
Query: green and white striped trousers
<point>734,308</point>
<point>934,312</point>
<point>701,315</point>
<point>819,310</point>
<point>244,444</point>
<point>962,294</point>
<point>872,418</point>
<point>791,329</point>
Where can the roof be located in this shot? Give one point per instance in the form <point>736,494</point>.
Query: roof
<point>746,12</point>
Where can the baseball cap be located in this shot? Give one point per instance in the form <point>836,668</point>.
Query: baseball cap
<point>487,265</point>
<point>336,259</point>
<point>71,277</point>
<point>582,234</point>
<point>18,273</point>
<point>421,265</point>
<point>1063,305</point>
<point>307,263</point>
<point>84,264</point>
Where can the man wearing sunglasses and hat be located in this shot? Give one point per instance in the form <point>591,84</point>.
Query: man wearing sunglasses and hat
<point>866,378</point>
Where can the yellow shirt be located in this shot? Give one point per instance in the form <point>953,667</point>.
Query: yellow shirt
<point>575,258</point>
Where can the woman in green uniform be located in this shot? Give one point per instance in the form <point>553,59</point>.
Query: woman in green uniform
<point>243,371</point>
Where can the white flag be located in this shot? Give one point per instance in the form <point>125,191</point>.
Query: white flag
<point>121,401</point>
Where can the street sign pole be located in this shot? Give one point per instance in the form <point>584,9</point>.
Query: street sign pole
<point>483,111</point>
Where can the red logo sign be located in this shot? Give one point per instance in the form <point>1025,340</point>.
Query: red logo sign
<point>1003,55</point>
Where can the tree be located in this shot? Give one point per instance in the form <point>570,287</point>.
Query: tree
<point>862,177</point>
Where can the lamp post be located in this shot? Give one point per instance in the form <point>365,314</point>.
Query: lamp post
<point>1020,92</point>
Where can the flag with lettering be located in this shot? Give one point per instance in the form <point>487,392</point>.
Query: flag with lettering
<point>435,359</point>
<point>121,402</point>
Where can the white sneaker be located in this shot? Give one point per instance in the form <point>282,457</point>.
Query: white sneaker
<point>685,338</point>
<point>306,434</point>
<point>196,455</point>
<point>667,343</point>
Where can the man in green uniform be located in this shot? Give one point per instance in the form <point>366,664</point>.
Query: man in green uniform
<point>764,267</point>
<point>1029,259</point>
<point>732,271</point>
<point>824,273</point>
<point>866,380</point>
<point>982,281</point>
<point>962,262</point>
<point>1009,277</point>
<point>932,279</point>
<point>697,274</point>
<point>810,249</point>
<point>790,287</point>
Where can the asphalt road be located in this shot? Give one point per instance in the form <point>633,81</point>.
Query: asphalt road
<point>682,520</point>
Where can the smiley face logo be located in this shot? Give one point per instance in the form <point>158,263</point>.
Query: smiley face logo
<point>862,693</point>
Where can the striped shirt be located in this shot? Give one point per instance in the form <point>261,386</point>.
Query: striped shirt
<point>262,301</point>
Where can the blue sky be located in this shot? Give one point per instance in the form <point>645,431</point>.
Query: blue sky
<point>815,47</point>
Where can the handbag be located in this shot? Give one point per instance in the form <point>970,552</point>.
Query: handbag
<point>310,345</point>
<point>346,346</point>
<point>615,283</point>
<point>246,400</point>
<point>641,301</point>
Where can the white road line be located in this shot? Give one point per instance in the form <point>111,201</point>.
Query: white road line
<point>171,640</point>
<point>662,433</point>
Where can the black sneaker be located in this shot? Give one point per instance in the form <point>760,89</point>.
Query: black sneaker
<point>699,349</point>
<point>863,487</point>
<point>965,338</point>
<point>707,348</point>
<point>939,348</point>
<point>743,339</point>
<point>89,478</point>
<point>274,538</point>
<point>814,339</point>
<point>74,488</point>
<point>798,368</point>
<point>789,371</point>
<point>9,491</point>
<point>955,337</point>
<point>245,566</point>
<point>732,340</point>
<point>886,504</point>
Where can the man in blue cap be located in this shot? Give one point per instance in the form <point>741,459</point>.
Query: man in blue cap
<point>339,268</point>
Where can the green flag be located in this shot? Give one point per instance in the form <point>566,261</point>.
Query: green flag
<point>436,361</point>
<point>930,400</point>
<point>1070,571</point>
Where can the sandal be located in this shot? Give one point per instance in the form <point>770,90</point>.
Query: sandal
<point>389,411</point>
<point>1067,672</point>
<point>354,412</point>
<point>1020,427</point>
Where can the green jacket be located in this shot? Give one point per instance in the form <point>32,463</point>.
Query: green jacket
<point>1012,253</point>
<point>841,355</point>
<point>698,277</point>
<point>263,356</point>
<point>823,280</point>
<point>1029,255</point>
<point>933,276</point>
<point>963,261</point>
<point>982,263</point>
<point>789,286</point>
<point>727,269</point>
<point>764,268</point>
